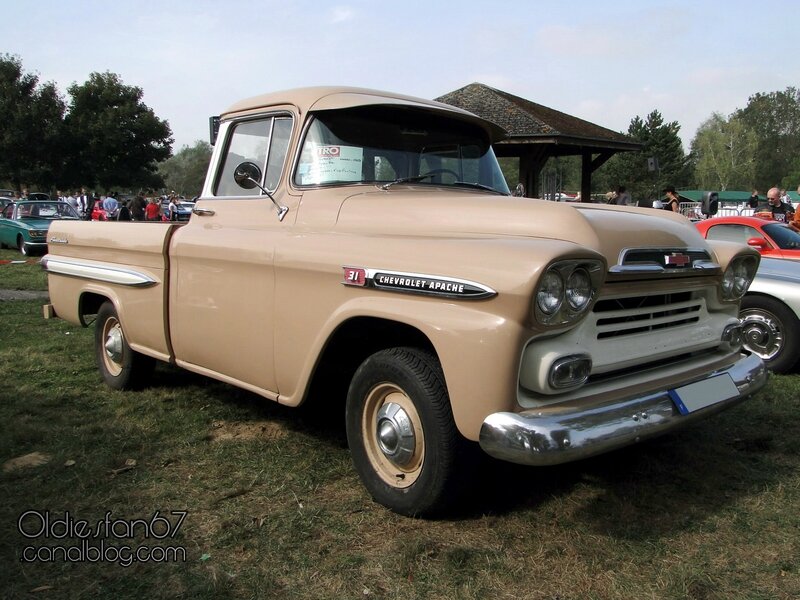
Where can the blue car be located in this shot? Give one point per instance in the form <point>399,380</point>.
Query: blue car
<point>24,224</point>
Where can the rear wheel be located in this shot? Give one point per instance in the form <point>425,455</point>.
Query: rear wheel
<point>121,367</point>
<point>401,432</point>
<point>771,331</point>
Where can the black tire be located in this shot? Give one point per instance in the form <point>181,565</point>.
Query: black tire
<point>121,367</point>
<point>401,433</point>
<point>22,246</point>
<point>771,331</point>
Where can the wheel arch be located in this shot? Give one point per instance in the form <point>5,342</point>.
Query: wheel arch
<point>90,302</point>
<point>795,310</point>
<point>348,346</point>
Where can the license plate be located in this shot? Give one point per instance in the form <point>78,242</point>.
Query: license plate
<point>702,394</point>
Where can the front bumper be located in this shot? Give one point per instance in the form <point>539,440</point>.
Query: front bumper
<point>555,435</point>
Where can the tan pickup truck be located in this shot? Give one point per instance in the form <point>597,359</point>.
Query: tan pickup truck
<point>365,244</point>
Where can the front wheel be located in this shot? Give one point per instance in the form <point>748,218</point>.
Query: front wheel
<point>121,367</point>
<point>401,432</point>
<point>771,331</point>
<point>22,246</point>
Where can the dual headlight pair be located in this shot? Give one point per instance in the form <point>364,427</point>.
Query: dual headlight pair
<point>566,291</point>
<point>738,277</point>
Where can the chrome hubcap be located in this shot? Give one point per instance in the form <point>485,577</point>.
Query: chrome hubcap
<point>395,434</point>
<point>762,335</point>
<point>113,344</point>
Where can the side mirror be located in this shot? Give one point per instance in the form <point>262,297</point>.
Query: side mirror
<point>247,175</point>
<point>213,129</point>
<point>758,243</point>
<point>709,203</point>
<point>519,191</point>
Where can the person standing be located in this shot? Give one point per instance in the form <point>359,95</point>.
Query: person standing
<point>672,202</point>
<point>110,205</point>
<point>173,209</point>
<point>83,201</point>
<point>152,210</point>
<point>753,201</point>
<point>71,200</point>
<point>124,213</point>
<point>623,197</point>
<point>781,211</point>
<point>137,207</point>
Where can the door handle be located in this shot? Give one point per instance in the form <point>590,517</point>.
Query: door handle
<point>203,212</point>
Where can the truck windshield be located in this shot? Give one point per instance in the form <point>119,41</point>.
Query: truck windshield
<point>386,145</point>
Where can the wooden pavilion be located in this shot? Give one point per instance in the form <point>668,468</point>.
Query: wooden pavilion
<point>537,133</point>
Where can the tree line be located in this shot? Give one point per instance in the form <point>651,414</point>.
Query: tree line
<point>104,137</point>
<point>755,147</point>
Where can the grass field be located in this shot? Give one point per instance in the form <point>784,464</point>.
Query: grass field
<point>273,508</point>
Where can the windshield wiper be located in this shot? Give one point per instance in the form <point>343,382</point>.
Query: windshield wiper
<point>479,186</point>
<point>414,179</point>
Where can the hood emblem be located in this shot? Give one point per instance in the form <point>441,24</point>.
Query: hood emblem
<point>676,260</point>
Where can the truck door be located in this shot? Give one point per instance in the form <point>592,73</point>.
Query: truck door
<point>221,263</point>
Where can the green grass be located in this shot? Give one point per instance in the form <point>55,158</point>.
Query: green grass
<point>26,276</point>
<point>276,511</point>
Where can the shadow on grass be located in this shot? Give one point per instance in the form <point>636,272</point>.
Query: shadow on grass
<point>641,492</point>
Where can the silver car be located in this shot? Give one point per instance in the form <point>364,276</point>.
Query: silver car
<point>770,314</point>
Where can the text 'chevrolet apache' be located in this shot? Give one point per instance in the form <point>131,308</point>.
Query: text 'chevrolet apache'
<point>355,244</point>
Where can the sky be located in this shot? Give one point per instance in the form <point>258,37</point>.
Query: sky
<point>606,62</point>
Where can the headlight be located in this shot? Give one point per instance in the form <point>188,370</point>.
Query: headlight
<point>566,291</point>
<point>579,289</point>
<point>551,293</point>
<point>738,277</point>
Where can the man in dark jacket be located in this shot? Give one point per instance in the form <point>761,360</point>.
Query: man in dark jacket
<point>137,207</point>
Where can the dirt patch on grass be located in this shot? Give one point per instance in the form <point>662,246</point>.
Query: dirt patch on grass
<point>22,295</point>
<point>237,431</point>
<point>34,459</point>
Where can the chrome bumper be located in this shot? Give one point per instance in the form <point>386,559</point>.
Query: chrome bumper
<point>554,435</point>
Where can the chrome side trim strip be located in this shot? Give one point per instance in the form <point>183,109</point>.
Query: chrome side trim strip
<point>105,273</point>
<point>416,283</point>
<point>554,435</point>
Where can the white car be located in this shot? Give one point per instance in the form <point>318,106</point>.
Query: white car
<point>770,314</point>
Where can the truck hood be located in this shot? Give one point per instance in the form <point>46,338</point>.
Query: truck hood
<point>434,211</point>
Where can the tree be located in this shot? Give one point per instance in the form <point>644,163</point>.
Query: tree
<point>724,154</point>
<point>662,151</point>
<point>114,138</point>
<point>775,120</point>
<point>185,172</point>
<point>30,135</point>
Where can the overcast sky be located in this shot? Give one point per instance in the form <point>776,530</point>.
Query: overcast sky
<point>606,62</point>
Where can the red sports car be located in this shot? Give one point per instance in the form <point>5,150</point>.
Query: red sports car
<point>771,238</point>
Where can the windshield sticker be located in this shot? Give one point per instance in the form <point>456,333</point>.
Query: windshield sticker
<point>332,164</point>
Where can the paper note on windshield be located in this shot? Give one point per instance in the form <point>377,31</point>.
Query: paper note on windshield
<point>335,163</point>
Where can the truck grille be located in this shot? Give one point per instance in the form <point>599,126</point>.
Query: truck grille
<point>619,317</point>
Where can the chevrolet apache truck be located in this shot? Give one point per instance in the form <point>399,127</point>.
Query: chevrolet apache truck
<point>365,246</point>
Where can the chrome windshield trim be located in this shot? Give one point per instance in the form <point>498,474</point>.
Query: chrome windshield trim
<point>105,273</point>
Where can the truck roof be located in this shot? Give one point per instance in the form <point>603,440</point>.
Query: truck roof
<point>307,99</point>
